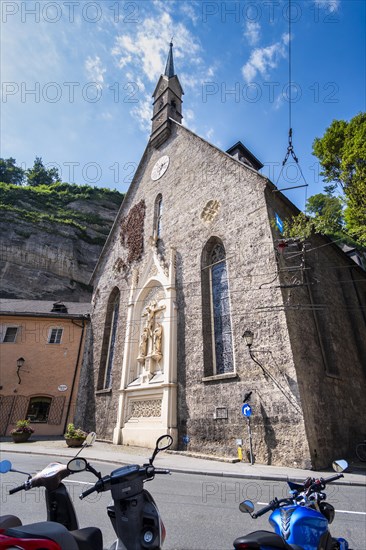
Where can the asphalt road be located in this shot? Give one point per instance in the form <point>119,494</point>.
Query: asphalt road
<point>199,512</point>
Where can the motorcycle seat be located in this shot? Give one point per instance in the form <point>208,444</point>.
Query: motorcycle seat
<point>88,538</point>
<point>48,530</point>
<point>265,538</point>
<point>9,521</point>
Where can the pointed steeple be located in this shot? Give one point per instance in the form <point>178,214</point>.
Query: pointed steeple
<point>167,103</point>
<point>169,68</point>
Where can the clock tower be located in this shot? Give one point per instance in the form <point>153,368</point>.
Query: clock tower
<point>167,103</point>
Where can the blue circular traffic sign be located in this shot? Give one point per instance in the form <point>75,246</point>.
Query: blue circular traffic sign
<point>246,410</point>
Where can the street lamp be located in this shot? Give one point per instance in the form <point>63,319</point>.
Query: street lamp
<point>248,336</point>
<point>20,363</point>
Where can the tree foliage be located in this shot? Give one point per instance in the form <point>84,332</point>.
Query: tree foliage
<point>40,175</point>
<point>10,172</point>
<point>342,155</point>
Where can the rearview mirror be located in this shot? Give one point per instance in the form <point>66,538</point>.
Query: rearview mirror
<point>246,507</point>
<point>164,442</point>
<point>90,439</point>
<point>340,466</point>
<point>77,465</point>
<point>5,466</point>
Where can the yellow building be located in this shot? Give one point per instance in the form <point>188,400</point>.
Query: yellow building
<point>41,349</point>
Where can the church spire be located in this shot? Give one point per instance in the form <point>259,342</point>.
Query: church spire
<point>169,68</point>
<point>167,103</point>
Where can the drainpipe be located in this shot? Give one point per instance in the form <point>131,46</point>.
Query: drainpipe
<point>75,370</point>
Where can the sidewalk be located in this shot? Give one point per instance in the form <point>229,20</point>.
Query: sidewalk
<point>177,461</point>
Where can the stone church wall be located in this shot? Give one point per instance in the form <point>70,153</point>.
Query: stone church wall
<point>327,329</point>
<point>199,173</point>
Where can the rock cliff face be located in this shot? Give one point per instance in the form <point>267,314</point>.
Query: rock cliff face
<point>44,258</point>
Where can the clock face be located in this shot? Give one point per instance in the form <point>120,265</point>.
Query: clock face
<point>160,167</point>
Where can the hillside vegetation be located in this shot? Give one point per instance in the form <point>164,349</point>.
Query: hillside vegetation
<point>52,232</point>
<point>63,203</point>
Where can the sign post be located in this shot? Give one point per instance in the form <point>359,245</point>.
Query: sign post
<point>246,411</point>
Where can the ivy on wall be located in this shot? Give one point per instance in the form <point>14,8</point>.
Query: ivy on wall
<point>132,231</point>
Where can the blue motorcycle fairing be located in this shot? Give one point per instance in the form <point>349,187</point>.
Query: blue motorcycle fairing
<point>299,525</point>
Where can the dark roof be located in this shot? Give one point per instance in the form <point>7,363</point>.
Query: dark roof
<point>44,308</point>
<point>169,68</point>
<point>246,154</point>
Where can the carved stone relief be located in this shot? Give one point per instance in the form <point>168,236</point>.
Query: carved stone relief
<point>148,408</point>
<point>150,346</point>
<point>210,211</point>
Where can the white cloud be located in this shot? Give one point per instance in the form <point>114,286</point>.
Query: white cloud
<point>209,134</point>
<point>252,32</point>
<point>141,53</point>
<point>142,113</point>
<point>189,115</point>
<point>330,5</point>
<point>95,69</point>
<point>106,115</point>
<point>263,59</point>
<point>147,46</point>
<point>189,11</point>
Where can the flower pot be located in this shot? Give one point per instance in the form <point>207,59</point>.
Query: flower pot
<point>21,437</point>
<point>74,442</point>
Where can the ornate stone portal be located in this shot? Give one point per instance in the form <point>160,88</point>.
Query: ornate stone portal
<point>148,393</point>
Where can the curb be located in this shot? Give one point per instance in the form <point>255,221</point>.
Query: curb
<point>177,470</point>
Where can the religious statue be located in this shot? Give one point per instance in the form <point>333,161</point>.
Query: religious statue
<point>158,334</point>
<point>151,310</point>
<point>150,345</point>
<point>143,343</point>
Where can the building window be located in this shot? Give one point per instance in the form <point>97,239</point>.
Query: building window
<point>55,335</point>
<point>10,335</point>
<point>217,333</point>
<point>158,215</point>
<point>109,341</point>
<point>38,409</point>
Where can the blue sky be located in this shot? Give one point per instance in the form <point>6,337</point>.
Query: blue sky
<point>77,79</point>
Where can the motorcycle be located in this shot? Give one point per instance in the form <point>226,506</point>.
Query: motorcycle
<point>300,521</point>
<point>134,514</point>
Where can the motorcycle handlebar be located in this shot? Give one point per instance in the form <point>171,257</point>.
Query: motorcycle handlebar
<point>17,489</point>
<point>161,471</point>
<point>271,506</point>
<point>87,492</point>
<point>333,478</point>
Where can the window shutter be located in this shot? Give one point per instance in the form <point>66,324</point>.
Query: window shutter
<point>56,410</point>
<point>6,403</point>
<point>20,408</point>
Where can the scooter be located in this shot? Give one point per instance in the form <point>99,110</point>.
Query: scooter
<point>300,522</point>
<point>134,513</point>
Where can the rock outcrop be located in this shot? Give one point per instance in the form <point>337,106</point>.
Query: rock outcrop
<point>43,256</point>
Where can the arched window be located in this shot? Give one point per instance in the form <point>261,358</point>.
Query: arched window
<point>109,340</point>
<point>39,408</point>
<point>217,334</point>
<point>158,214</point>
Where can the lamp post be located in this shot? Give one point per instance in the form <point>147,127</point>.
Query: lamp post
<point>20,363</point>
<point>248,337</point>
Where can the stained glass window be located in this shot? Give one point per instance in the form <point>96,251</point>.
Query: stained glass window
<point>216,310</point>
<point>112,341</point>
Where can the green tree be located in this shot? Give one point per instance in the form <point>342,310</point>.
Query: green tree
<point>327,213</point>
<point>342,155</point>
<point>10,172</point>
<point>40,175</point>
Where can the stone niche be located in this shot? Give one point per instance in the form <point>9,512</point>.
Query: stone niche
<point>148,392</point>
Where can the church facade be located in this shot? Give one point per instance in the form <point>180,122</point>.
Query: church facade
<point>195,259</point>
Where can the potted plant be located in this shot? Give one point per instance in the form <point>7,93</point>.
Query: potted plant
<point>22,431</point>
<point>75,437</point>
